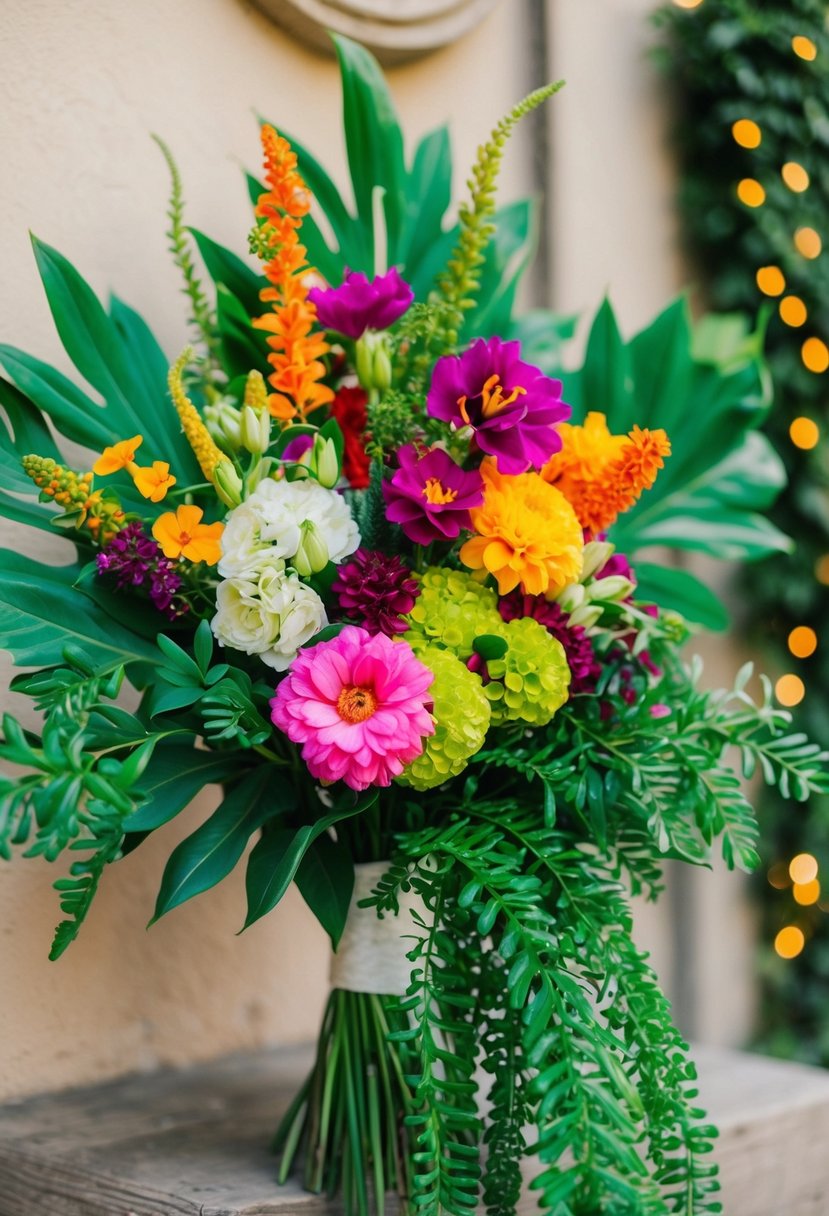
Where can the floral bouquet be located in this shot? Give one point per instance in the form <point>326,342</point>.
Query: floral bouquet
<point>367,562</point>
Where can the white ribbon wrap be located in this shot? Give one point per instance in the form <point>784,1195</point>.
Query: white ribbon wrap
<point>371,956</point>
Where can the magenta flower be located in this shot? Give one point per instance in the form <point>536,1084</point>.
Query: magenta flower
<point>430,496</point>
<point>378,590</point>
<point>358,705</point>
<point>357,304</point>
<point>585,668</point>
<point>511,406</point>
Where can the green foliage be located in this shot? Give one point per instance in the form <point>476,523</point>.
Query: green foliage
<point>201,317</point>
<point>729,61</point>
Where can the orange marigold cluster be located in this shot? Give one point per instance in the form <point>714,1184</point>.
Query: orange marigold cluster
<point>602,475</point>
<point>297,347</point>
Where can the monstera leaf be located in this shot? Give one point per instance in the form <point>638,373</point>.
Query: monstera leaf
<point>710,392</point>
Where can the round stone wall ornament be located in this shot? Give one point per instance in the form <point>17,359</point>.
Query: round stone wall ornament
<point>395,30</point>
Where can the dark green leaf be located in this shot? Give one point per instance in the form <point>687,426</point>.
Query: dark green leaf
<point>325,879</point>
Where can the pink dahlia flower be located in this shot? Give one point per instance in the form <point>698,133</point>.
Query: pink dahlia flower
<point>358,705</point>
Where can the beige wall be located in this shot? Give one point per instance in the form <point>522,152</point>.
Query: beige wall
<point>82,83</point>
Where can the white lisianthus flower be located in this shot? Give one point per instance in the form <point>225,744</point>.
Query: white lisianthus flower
<point>267,611</point>
<point>269,524</point>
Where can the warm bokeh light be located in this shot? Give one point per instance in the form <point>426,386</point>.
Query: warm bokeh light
<point>822,569</point>
<point>808,243</point>
<point>815,354</point>
<point>803,869</point>
<point>790,690</point>
<point>793,311</point>
<point>746,133</point>
<point>802,642</point>
<point>770,280</point>
<point>806,893</point>
<point>804,47</point>
<point>789,942</point>
<point>804,433</point>
<point>795,176</point>
<point>778,876</point>
<point>751,192</point>
<point>696,4</point>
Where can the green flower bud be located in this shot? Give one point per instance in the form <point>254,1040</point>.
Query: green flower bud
<point>587,615</point>
<point>364,361</point>
<point>373,361</point>
<point>312,554</point>
<point>228,483</point>
<point>324,463</point>
<point>223,422</point>
<point>572,597</point>
<point>595,554</point>
<point>255,430</point>
<point>612,589</point>
<point>381,368</point>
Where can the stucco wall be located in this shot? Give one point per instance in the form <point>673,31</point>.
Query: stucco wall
<point>82,83</point>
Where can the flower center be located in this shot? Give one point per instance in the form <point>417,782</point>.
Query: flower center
<point>437,493</point>
<point>184,538</point>
<point>490,401</point>
<point>356,703</point>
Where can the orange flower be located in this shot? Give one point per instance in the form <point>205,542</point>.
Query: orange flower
<point>119,456</point>
<point>182,534</point>
<point>153,483</point>
<point>602,475</point>
<point>528,534</point>
<point>297,348</point>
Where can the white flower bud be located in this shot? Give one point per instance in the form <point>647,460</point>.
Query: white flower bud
<point>312,554</point>
<point>596,554</point>
<point>255,430</point>
<point>613,588</point>
<point>228,483</point>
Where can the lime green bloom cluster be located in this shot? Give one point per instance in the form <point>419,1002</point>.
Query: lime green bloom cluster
<point>451,611</point>
<point>462,715</point>
<point>530,682</point>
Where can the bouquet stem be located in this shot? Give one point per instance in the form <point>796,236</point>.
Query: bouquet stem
<point>346,1124</point>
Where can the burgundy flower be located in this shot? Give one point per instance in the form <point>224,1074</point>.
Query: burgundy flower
<point>357,304</point>
<point>585,668</point>
<point>376,590</point>
<point>135,560</point>
<point>349,409</point>
<point>511,406</point>
<point>430,496</point>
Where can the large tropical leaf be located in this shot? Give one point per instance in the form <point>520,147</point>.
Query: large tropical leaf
<point>116,355</point>
<point>172,779</point>
<point>41,612</point>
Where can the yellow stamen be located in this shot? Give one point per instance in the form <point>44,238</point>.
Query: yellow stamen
<point>355,704</point>
<point>492,399</point>
<point>435,492</point>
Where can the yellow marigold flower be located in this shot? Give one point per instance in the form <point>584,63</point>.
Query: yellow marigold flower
<point>154,482</point>
<point>528,534</point>
<point>182,534</point>
<point>118,456</point>
<point>196,433</point>
<point>602,475</point>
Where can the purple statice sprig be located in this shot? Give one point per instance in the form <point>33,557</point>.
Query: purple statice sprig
<point>359,304</point>
<point>134,559</point>
<point>376,590</point>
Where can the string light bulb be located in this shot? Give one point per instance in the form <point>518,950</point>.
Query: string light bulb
<point>804,433</point>
<point>795,176</point>
<point>751,193</point>
<point>746,133</point>
<point>806,893</point>
<point>790,690</point>
<point>807,242</point>
<point>815,355</point>
<point>771,281</point>
<point>803,47</point>
<point>803,868</point>
<point>802,642</point>
<point>789,942</point>
<point>793,311</point>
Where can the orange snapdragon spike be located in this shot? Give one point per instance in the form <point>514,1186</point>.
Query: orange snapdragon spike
<point>297,347</point>
<point>154,482</point>
<point>602,475</point>
<point>181,533</point>
<point>118,456</point>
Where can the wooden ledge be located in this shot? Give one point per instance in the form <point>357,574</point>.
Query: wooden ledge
<point>194,1142</point>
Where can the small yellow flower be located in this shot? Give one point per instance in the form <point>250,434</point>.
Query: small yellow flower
<point>154,482</point>
<point>119,456</point>
<point>182,534</point>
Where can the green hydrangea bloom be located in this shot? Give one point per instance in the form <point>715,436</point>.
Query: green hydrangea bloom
<point>462,714</point>
<point>530,683</point>
<point>451,611</point>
